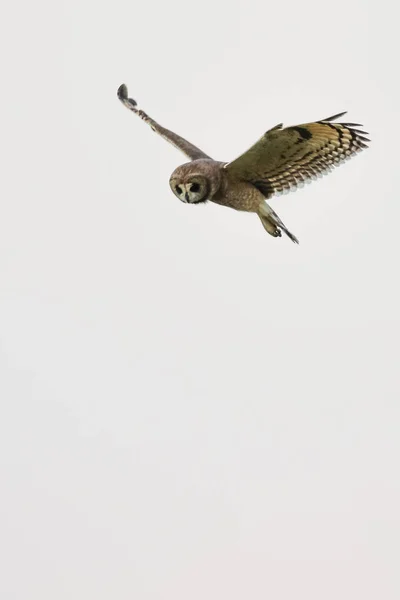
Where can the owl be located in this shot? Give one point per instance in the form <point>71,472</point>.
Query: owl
<point>280,161</point>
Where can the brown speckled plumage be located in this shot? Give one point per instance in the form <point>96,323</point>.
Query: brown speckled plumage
<point>280,161</point>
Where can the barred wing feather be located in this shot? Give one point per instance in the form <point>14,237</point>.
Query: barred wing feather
<point>284,159</point>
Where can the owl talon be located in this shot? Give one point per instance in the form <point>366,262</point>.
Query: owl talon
<point>273,224</point>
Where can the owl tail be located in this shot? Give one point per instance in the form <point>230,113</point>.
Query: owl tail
<point>272,222</point>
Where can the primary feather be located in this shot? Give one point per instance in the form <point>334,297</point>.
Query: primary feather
<point>284,159</point>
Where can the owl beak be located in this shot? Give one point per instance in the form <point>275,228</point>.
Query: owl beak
<point>187,197</point>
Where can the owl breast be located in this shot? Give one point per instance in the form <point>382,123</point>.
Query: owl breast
<point>239,195</point>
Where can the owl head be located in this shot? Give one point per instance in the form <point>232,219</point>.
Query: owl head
<point>197,181</point>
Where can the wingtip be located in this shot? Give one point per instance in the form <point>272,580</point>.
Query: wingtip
<point>122,94</point>
<point>122,91</point>
<point>335,117</point>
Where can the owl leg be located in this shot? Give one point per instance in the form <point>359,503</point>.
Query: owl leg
<point>272,223</point>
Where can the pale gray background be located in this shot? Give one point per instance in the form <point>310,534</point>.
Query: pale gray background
<point>190,408</point>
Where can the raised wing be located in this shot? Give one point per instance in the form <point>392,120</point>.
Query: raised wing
<point>286,158</point>
<point>173,138</point>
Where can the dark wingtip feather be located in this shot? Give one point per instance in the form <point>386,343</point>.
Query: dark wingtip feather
<point>334,117</point>
<point>361,131</point>
<point>122,94</point>
<point>358,134</point>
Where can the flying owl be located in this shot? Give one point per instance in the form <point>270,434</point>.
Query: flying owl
<point>280,161</point>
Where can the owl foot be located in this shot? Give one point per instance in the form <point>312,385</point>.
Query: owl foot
<point>272,229</point>
<point>273,224</point>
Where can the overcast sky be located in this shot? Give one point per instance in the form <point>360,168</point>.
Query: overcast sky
<point>191,409</point>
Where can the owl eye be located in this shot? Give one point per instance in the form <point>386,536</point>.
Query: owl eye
<point>195,187</point>
<point>178,189</point>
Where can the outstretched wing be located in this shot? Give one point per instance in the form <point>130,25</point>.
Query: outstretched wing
<point>286,158</point>
<point>176,140</point>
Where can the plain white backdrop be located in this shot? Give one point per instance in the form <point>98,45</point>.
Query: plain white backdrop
<point>190,408</point>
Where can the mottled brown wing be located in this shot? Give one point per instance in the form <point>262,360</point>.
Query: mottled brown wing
<point>173,138</point>
<point>284,159</point>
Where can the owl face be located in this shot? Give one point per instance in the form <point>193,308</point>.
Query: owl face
<point>197,181</point>
<point>192,190</point>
